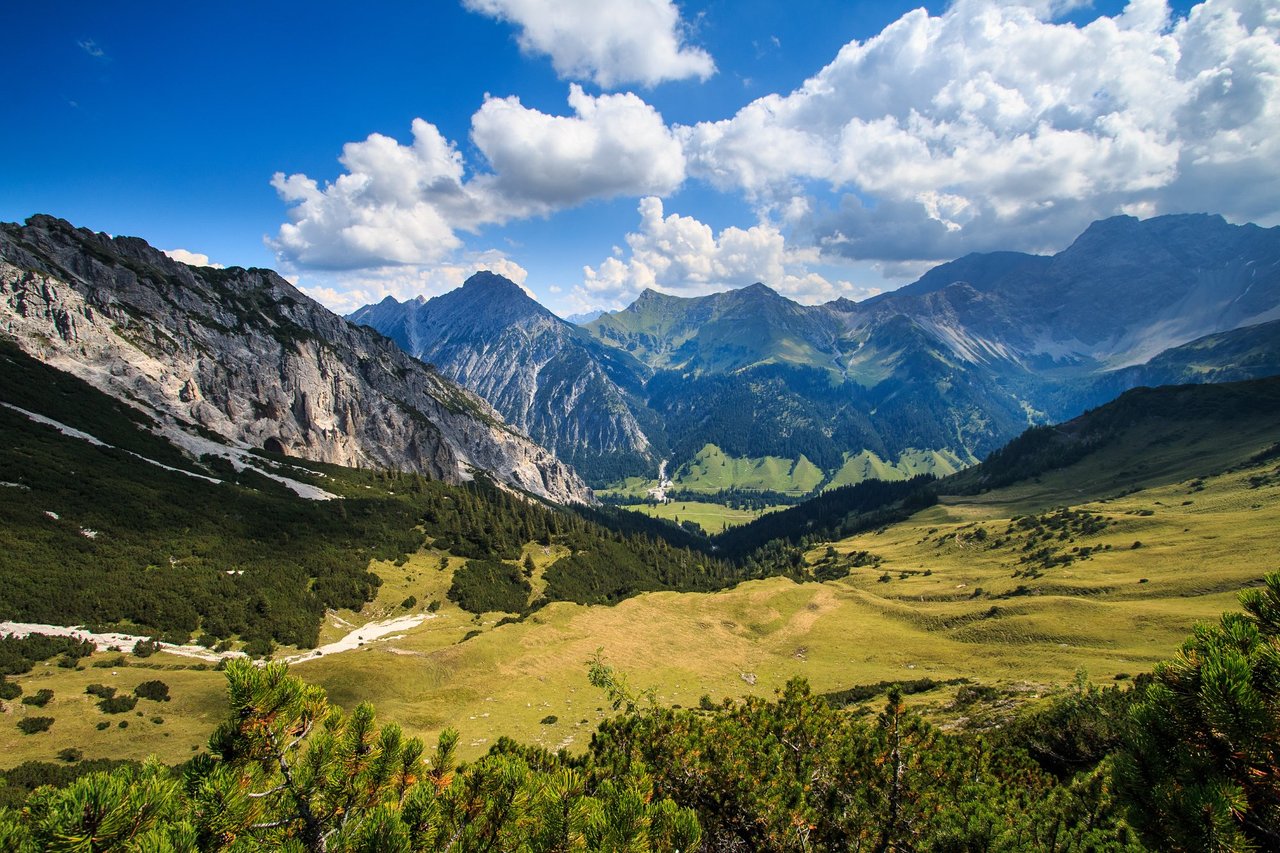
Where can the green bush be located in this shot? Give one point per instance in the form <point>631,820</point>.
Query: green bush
<point>32,725</point>
<point>40,699</point>
<point>117,704</point>
<point>259,647</point>
<point>156,691</point>
<point>102,691</point>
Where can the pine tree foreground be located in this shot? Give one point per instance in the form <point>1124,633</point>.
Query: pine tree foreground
<point>1186,760</point>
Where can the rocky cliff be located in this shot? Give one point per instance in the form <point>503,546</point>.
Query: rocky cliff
<point>548,377</point>
<point>243,354</point>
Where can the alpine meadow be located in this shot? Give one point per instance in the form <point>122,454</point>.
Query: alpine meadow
<point>641,425</point>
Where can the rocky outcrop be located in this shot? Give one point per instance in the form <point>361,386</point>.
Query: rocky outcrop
<point>244,354</point>
<point>548,377</point>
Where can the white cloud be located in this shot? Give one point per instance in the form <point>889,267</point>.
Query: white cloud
<point>344,292</point>
<point>613,145</point>
<point>610,43</point>
<point>91,47</point>
<point>194,259</point>
<point>403,204</point>
<point>993,126</point>
<point>682,256</point>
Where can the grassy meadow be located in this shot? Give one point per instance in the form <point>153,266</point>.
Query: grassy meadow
<point>1003,589</point>
<point>711,517</point>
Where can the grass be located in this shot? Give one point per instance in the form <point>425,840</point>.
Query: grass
<point>711,470</point>
<point>956,601</point>
<point>196,705</point>
<point>711,517</point>
<point>868,466</point>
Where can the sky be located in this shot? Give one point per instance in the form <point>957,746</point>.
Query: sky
<point>589,149</point>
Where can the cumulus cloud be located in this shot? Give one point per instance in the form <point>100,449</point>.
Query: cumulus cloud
<point>344,292</point>
<point>683,256</point>
<point>991,125</point>
<point>613,145</point>
<point>404,204</point>
<point>609,43</point>
<point>194,259</point>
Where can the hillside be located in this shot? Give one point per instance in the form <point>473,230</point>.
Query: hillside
<point>246,356</point>
<point>581,400</point>
<point>1014,589</point>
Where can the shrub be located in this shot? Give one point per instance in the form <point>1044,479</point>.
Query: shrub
<point>103,725</point>
<point>145,648</point>
<point>156,691</point>
<point>8,689</point>
<point>411,601</point>
<point>102,691</point>
<point>970,693</point>
<point>259,647</point>
<point>31,725</point>
<point>40,699</point>
<point>70,754</point>
<point>117,704</point>
<point>549,720</point>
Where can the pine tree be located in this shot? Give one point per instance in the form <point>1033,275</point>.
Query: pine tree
<point>1201,767</point>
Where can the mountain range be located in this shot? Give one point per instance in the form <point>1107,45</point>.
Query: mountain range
<point>240,357</point>
<point>929,377</point>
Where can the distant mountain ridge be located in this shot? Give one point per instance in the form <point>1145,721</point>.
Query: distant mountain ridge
<point>244,354</point>
<point>548,377</point>
<point>954,364</point>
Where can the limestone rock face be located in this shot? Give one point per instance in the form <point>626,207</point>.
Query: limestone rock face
<point>547,376</point>
<point>244,354</point>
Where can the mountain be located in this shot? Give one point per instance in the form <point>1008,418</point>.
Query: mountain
<point>967,356</point>
<point>584,317</point>
<point>581,399</point>
<point>243,355</point>
<point>928,378</point>
<point>720,333</point>
<point>1123,292</point>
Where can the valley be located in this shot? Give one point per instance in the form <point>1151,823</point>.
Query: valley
<point>460,578</point>
<point>1101,566</point>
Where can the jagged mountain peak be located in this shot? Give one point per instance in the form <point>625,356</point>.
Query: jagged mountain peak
<point>492,281</point>
<point>759,289</point>
<point>545,374</point>
<point>245,354</point>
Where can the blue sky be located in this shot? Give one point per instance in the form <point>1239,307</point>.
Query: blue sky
<point>590,149</point>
